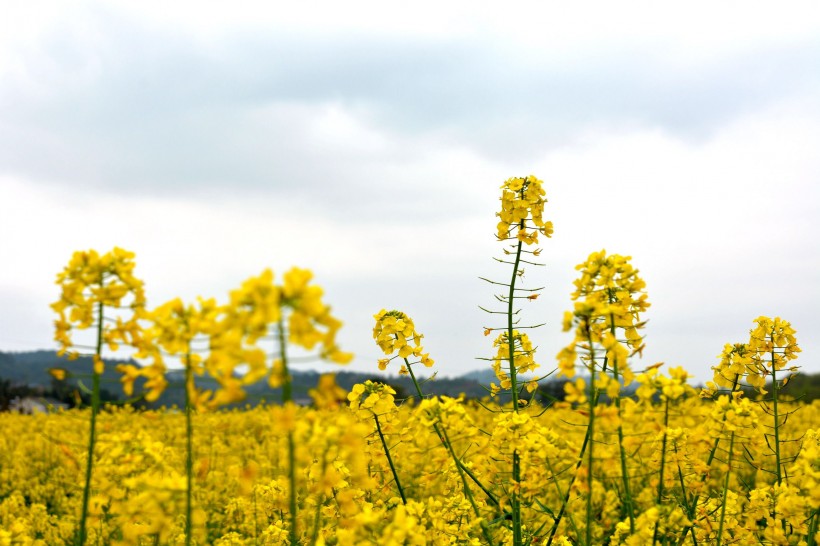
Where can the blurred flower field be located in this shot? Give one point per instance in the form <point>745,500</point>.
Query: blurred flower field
<point>346,493</point>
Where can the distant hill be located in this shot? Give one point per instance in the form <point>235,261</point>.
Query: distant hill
<point>30,369</point>
<point>484,377</point>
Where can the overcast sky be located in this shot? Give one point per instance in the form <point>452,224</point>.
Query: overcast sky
<point>367,141</point>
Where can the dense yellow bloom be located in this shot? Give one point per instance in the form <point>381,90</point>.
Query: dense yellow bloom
<point>609,298</point>
<point>58,373</point>
<point>473,472</point>
<point>260,304</point>
<point>735,363</point>
<point>369,398</point>
<point>174,327</point>
<point>805,470</point>
<point>327,394</point>
<point>310,321</point>
<point>734,414</point>
<point>772,344</point>
<point>255,310</point>
<point>522,210</point>
<point>255,305</point>
<point>567,359</point>
<point>395,332</point>
<point>671,388</point>
<point>611,285</point>
<point>576,392</point>
<point>91,282</point>
<point>523,359</point>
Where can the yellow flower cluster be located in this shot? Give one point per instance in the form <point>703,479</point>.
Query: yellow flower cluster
<point>395,332</point>
<point>524,360</point>
<point>309,321</point>
<point>88,284</point>
<point>575,391</point>
<point>772,345</point>
<point>670,388</point>
<point>735,363</point>
<point>729,413</point>
<point>215,339</point>
<point>174,329</point>
<point>805,471</point>
<point>522,210</point>
<point>260,304</point>
<point>328,395</point>
<point>369,398</point>
<point>609,297</point>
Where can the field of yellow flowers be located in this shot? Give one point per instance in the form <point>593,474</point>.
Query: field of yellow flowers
<point>347,493</point>
<point>737,462</point>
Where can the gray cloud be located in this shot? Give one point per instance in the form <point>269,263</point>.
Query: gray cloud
<point>139,108</point>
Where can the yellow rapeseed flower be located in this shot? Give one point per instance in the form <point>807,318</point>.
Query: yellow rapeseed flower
<point>522,210</point>
<point>91,281</point>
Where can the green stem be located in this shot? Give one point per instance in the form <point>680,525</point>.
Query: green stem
<point>92,434</point>
<point>255,521</point>
<point>812,529</point>
<point>317,520</point>
<point>560,494</point>
<point>659,500</point>
<point>516,470</point>
<point>189,447</point>
<point>516,500</point>
<point>510,324</point>
<point>413,377</point>
<point>287,397</point>
<point>287,386</point>
<point>389,459</point>
<point>595,395</point>
<point>591,428</point>
<point>775,393</point>
<point>443,437</point>
<point>735,384</point>
<point>317,517</point>
<point>465,486</point>
<point>624,472</point>
<point>565,500</point>
<point>462,470</point>
<point>775,389</point>
<point>725,490</point>
<point>292,480</point>
<point>690,510</point>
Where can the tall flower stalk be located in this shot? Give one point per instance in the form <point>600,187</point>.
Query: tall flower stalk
<point>395,332</point>
<point>372,400</point>
<point>92,284</point>
<point>606,320</point>
<point>730,416</point>
<point>176,330</point>
<point>520,222</point>
<point>290,313</point>
<point>773,345</point>
<point>670,390</point>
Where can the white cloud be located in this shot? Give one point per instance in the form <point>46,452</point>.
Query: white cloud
<point>719,229</point>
